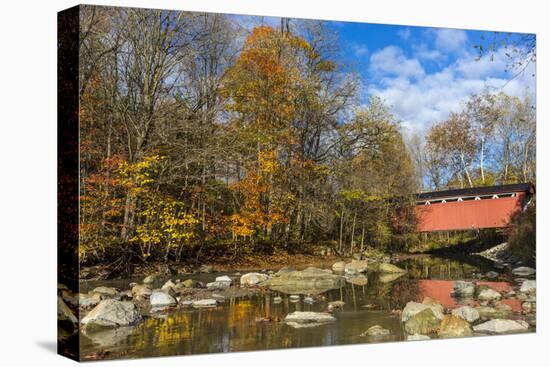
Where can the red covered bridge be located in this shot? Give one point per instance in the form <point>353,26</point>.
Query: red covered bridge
<point>472,208</point>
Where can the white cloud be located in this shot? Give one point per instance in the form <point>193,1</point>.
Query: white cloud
<point>359,49</point>
<point>391,60</point>
<point>449,39</point>
<point>430,97</point>
<point>424,53</point>
<point>404,33</point>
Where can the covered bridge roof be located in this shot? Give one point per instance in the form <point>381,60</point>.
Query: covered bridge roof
<point>478,191</point>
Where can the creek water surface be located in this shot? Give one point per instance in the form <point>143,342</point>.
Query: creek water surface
<point>254,322</point>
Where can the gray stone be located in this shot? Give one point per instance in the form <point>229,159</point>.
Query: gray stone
<point>224,278</point>
<point>64,313</point>
<point>252,279</point>
<point>376,331</point>
<point>299,319</point>
<point>309,281</point>
<point>106,292</point>
<point>486,313</point>
<point>141,291</point>
<point>389,277</point>
<point>412,308</point>
<point>524,271</point>
<point>162,299</point>
<point>277,299</point>
<point>356,266</point>
<point>151,279</point>
<point>169,284</point>
<point>309,300</point>
<point>529,286</point>
<point>491,274</point>
<point>501,326</point>
<point>489,294</point>
<point>467,313</point>
<point>112,313</point>
<point>218,285</point>
<point>205,303</point>
<point>88,300</point>
<point>454,327</point>
<point>423,322</point>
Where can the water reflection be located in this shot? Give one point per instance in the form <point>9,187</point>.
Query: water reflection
<point>254,322</point>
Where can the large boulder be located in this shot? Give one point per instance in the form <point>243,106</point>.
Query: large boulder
<point>489,294</point>
<point>523,271</point>
<point>339,266</point>
<point>162,299</point>
<point>252,279</point>
<point>356,266</point>
<point>299,319</point>
<point>412,308</point>
<point>529,286</point>
<point>467,313</point>
<point>423,322</point>
<point>112,313</point>
<point>501,326</point>
<point>308,281</point>
<point>454,327</point>
<point>463,289</point>
<point>64,313</point>
<point>390,268</point>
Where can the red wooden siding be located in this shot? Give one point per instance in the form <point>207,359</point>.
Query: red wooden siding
<point>468,214</point>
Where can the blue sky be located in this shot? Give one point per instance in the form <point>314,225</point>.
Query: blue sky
<point>422,73</point>
<point>426,73</point>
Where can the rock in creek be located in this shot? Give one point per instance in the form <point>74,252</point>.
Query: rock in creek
<point>64,313</point>
<point>106,292</point>
<point>309,281</point>
<point>467,313</point>
<point>206,269</point>
<point>151,279</point>
<point>204,303</point>
<point>112,313</point>
<point>454,327</point>
<point>524,271</point>
<point>529,286</point>
<point>412,308</point>
<point>375,331</point>
<point>390,268</point>
<point>219,284</point>
<point>356,266</point>
<point>162,299</point>
<point>500,326</point>
<point>299,319</point>
<point>88,300</point>
<point>501,311</point>
<point>141,291</point>
<point>423,322</point>
<point>489,294</point>
<point>389,277</point>
<point>252,279</point>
